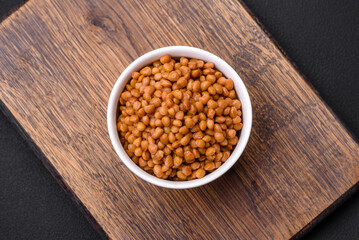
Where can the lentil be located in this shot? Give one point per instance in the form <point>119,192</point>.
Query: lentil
<point>178,120</point>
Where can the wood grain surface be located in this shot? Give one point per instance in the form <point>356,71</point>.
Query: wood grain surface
<point>59,61</point>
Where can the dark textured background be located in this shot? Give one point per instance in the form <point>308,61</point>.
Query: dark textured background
<point>321,37</point>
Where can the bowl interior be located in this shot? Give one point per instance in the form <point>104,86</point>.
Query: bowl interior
<point>190,52</point>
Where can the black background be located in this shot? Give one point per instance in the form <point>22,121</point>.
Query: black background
<point>321,37</point>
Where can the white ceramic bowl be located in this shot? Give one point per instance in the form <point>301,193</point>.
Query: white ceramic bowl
<point>190,52</point>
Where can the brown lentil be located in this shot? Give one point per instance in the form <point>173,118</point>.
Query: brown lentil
<point>179,119</point>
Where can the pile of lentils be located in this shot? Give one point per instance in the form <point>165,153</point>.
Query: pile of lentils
<point>178,120</point>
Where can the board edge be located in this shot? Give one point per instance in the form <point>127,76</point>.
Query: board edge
<point>297,69</point>
<point>326,212</point>
<point>12,10</point>
<point>48,165</point>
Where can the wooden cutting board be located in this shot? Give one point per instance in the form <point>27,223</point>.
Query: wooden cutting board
<point>58,63</point>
